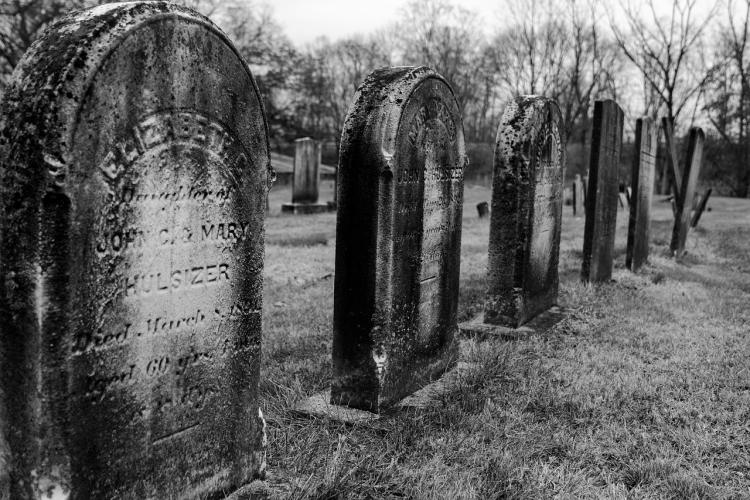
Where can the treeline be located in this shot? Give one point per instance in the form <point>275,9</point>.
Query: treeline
<point>682,59</point>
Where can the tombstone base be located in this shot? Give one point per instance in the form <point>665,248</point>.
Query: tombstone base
<point>262,489</point>
<point>430,395</point>
<point>304,208</point>
<point>319,405</point>
<point>479,330</point>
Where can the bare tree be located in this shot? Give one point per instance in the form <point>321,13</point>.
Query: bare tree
<point>446,37</point>
<point>592,66</point>
<point>326,78</point>
<point>531,52</point>
<point>665,50</point>
<point>728,100</point>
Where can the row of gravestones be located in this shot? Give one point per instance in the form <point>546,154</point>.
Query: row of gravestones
<point>135,163</point>
<point>600,187</point>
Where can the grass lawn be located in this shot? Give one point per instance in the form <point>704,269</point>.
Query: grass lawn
<point>642,392</point>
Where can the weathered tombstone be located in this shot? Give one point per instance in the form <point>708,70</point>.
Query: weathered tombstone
<point>602,195</point>
<point>526,216</point>
<point>687,191</point>
<point>398,238</point>
<point>134,158</point>
<point>642,178</point>
<point>483,209</point>
<point>306,179</point>
<point>701,207</point>
<point>578,195</point>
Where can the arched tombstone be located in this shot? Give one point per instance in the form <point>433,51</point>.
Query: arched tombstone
<point>526,215</point>
<point>398,238</point>
<point>134,165</point>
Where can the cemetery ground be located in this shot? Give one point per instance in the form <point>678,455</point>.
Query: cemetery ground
<point>643,391</point>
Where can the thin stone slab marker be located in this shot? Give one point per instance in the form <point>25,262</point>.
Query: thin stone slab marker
<point>306,179</point>
<point>579,195</point>
<point>602,195</point>
<point>133,172</point>
<point>687,191</point>
<point>398,238</point>
<point>642,178</point>
<point>526,215</point>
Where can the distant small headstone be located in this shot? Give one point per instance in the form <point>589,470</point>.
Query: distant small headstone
<point>526,214</point>
<point>578,196</point>
<point>133,157</point>
<point>483,209</point>
<point>687,191</point>
<point>306,179</point>
<point>602,195</point>
<point>642,178</point>
<point>398,238</point>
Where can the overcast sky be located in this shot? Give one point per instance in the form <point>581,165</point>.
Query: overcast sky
<point>305,20</point>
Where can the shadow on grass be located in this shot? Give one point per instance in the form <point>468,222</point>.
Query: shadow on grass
<point>297,240</point>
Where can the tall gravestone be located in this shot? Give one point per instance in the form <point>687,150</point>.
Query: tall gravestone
<point>526,215</point>
<point>306,179</point>
<point>398,238</point>
<point>687,191</point>
<point>578,196</point>
<point>134,164</point>
<point>642,181</point>
<point>603,192</point>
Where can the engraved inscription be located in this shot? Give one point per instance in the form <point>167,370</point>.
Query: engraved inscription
<point>438,112</point>
<point>428,194</point>
<point>547,195</point>
<point>173,281</point>
<point>174,243</point>
<point>167,128</point>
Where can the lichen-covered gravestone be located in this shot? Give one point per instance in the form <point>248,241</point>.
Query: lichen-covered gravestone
<point>134,164</point>
<point>602,192</point>
<point>642,179</point>
<point>398,238</point>
<point>526,215</point>
<point>306,180</point>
